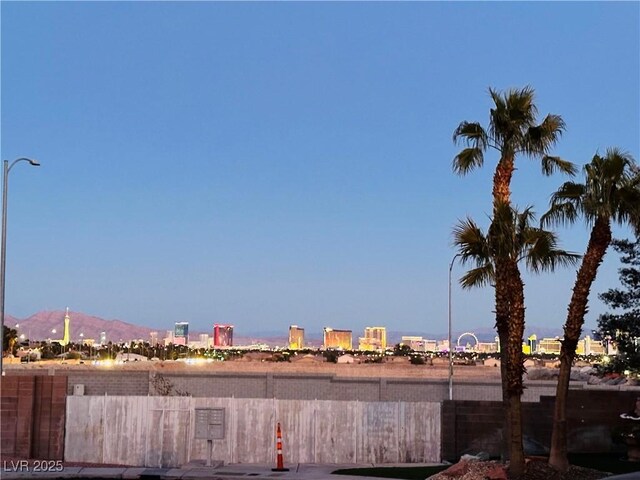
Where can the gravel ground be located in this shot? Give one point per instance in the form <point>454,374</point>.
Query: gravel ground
<point>535,470</point>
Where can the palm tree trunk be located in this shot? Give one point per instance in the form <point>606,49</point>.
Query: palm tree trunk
<point>502,196</point>
<point>515,371</point>
<point>598,243</point>
<point>502,299</point>
<point>502,180</point>
<point>516,450</point>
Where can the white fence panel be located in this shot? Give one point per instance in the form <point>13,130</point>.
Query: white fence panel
<point>160,431</point>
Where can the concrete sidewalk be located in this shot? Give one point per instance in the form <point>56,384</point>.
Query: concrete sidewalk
<point>191,472</point>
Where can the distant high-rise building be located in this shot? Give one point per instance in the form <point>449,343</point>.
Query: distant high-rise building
<point>334,338</point>
<point>153,338</point>
<point>222,335</point>
<point>66,334</point>
<point>204,341</point>
<point>533,343</point>
<point>169,337</point>
<point>375,338</point>
<point>443,346</point>
<point>549,345</point>
<point>296,337</point>
<point>181,330</point>
<point>593,346</point>
<point>486,347</point>
<point>103,338</point>
<point>415,343</point>
<point>430,345</point>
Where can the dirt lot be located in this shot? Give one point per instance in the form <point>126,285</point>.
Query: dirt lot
<point>392,369</point>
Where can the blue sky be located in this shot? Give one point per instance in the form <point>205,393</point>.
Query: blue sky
<point>265,164</point>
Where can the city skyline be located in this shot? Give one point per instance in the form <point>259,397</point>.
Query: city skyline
<point>220,335</point>
<point>270,164</point>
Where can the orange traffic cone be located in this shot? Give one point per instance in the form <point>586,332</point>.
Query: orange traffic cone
<point>279,458</point>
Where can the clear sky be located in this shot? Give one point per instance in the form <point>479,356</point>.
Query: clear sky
<point>265,164</point>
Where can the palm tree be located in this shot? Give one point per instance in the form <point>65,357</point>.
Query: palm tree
<point>611,193</point>
<point>512,131</point>
<point>520,242</point>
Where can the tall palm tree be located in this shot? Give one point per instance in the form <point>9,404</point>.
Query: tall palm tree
<point>610,193</point>
<point>520,242</point>
<point>512,131</point>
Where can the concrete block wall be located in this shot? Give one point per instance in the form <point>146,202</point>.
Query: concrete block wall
<point>32,416</point>
<point>248,385</point>
<point>95,382</point>
<point>160,431</point>
<point>593,417</point>
<point>114,382</point>
<point>313,386</point>
<point>301,386</point>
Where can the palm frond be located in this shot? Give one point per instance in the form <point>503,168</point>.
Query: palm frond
<point>552,164</point>
<point>565,204</point>
<point>478,277</point>
<point>520,106</point>
<point>467,160</point>
<point>612,187</point>
<point>525,218</point>
<point>543,253</point>
<point>628,203</point>
<point>538,139</point>
<point>564,213</point>
<point>511,236</point>
<point>472,134</point>
<point>471,242</point>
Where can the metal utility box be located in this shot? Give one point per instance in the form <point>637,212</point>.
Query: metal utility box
<point>209,423</point>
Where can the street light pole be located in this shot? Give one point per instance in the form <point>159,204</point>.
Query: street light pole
<point>3,254</point>
<point>450,351</point>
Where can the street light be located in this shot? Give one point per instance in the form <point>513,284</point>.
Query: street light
<point>450,352</point>
<point>3,256</point>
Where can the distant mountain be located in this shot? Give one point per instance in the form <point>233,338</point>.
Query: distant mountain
<point>40,326</point>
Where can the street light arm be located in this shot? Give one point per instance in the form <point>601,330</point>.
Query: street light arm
<point>31,161</point>
<point>453,260</point>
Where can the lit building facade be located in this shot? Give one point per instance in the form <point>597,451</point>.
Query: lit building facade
<point>296,337</point>
<point>204,340</point>
<point>153,338</point>
<point>222,335</point>
<point>181,333</point>
<point>549,345</point>
<point>589,346</point>
<point>339,339</point>
<point>415,343</point>
<point>486,347</point>
<point>375,338</point>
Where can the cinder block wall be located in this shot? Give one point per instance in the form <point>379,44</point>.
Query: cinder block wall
<point>32,416</point>
<point>109,383</point>
<point>593,417</point>
<point>285,386</point>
